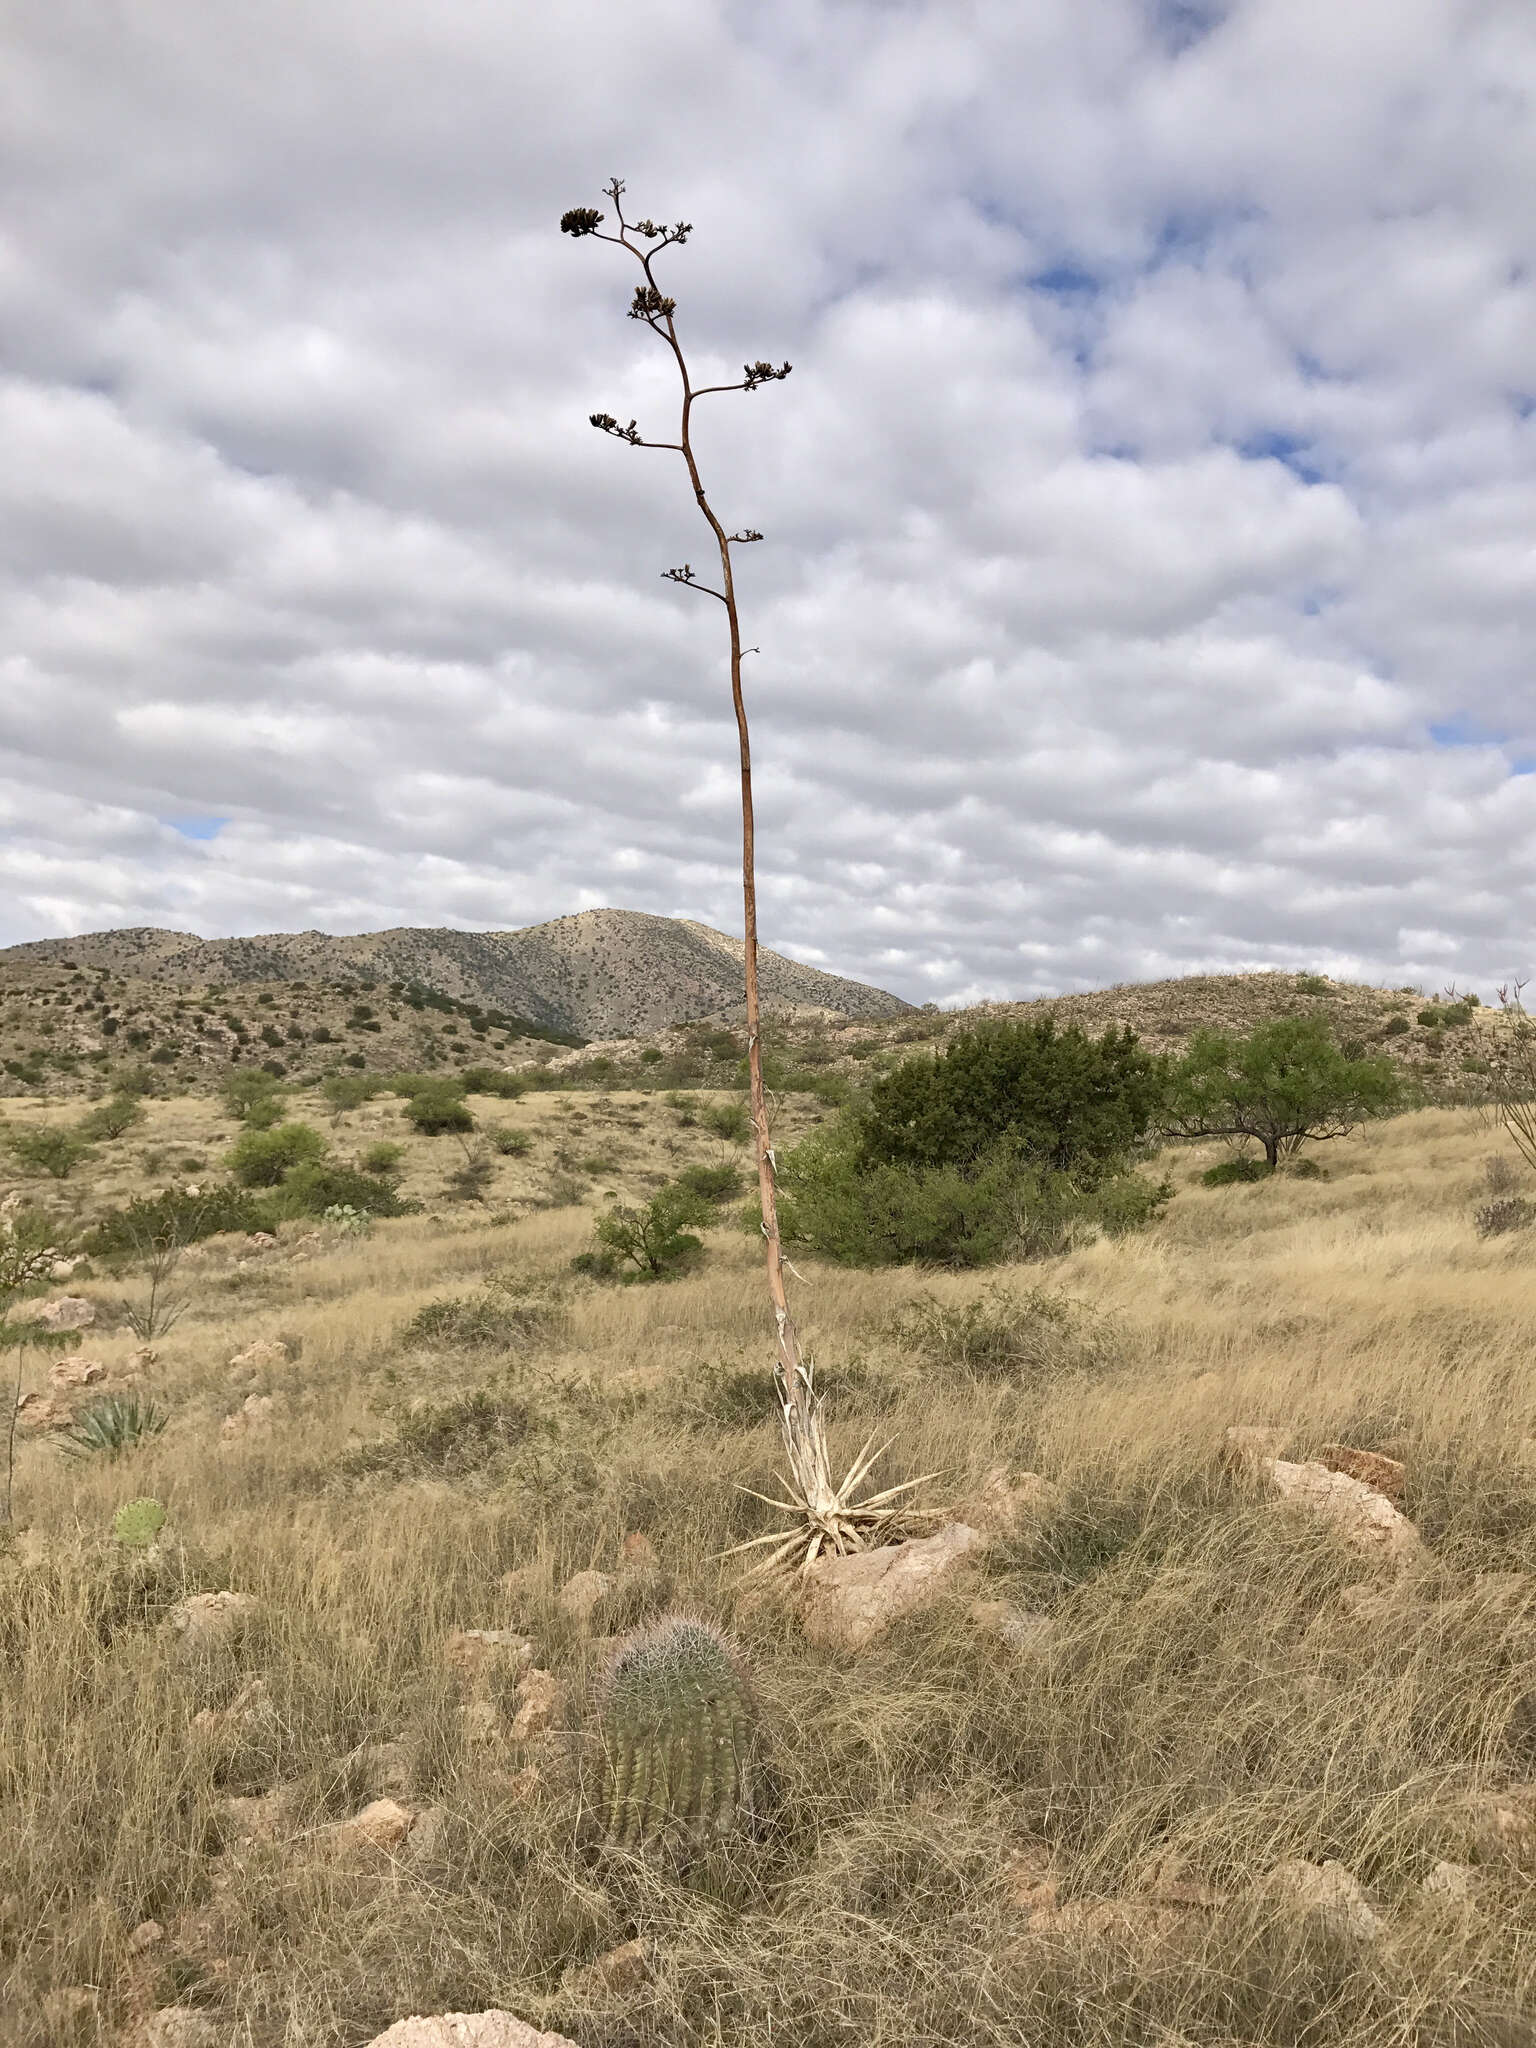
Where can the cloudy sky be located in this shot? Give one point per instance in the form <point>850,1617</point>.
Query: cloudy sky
<point>1150,575</point>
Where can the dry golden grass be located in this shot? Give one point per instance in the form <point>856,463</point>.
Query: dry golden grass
<point>1202,1696</point>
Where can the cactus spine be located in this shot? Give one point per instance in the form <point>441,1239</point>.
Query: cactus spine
<point>678,1725</point>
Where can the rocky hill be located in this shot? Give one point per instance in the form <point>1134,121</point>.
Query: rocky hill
<point>599,974</point>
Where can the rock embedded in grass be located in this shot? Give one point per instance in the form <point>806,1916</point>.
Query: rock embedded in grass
<point>1385,1475</point>
<point>1326,1891</point>
<point>1365,1518</point>
<point>205,1620</point>
<point>495,2029</point>
<point>847,1601</point>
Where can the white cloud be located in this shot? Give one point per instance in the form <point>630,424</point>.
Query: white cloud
<point>1148,584</point>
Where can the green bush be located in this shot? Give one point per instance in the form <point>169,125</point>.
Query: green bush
<point>349,1091</point>
<point>1309,1169</point>
<point>1231,1170</point>
<point>492,1081</point>
<point>54,1150</point>
<point>494,1319</point>
<point>110,1119</point>
<point>451,1438</point>
<point>151,1223</point>
<point>1396,1026</point>
<point>1432,1018</point>
<point>1060,1101</point>
<point>509,1143</point>
<point>261,1159</point>
<point>711,1183</point>
<point>728,1120</point>
<point>381,1160</point>
<point>1026,1339</point>
<point>648,1243</point>
<point>437,1109</point>
<point>314,1186</point>
<point>245,1087</point>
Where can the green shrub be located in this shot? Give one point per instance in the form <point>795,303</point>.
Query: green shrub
<point>495,1319</point>
<point>439,1109</point>
<point>381,1160</point>
<point>1231,1170</point>
<point>261,1159</point>
<point>509,1143</point>
<point>711,1183</point>
<point>312,1188</point>
<point>245,1087</point>
<point>492,1081</point>
<point>54,1150</point>
<point>1396,1026</point>
<point>1060,1101</point>
<point>350,1091</point>
<point>1309,1169</point>
<point>111,1427</point>
<point>451,1438</point>
<point>648,1243</point>
<point>110,1119</point>
<point>1311,985</point>
<point>151,1223</point>
<point>1027,1339</point>
<point>1432,1018</point>
<point>728,1120</point>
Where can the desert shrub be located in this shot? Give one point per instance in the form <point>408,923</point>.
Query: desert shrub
<point>1500,1176</point>
<point>315,1186</point>
<point>509,1143</point>
<point>110,1119</point>
<point>469,1182</point>
<point>1311,985</point>
<point>439,1109</point>
<point>1396,1026</point>
<point>494,1319</point>
<point>1231,1170</point>
<point>381,1160</point>
<point>451,1438</point>
<point>1060,1101</point>
<point>727,1120</point>
<point>711,1183</point>
<point>54,1150</point>
<point>1510,1212</point>
<point>261,1159</point>
<point>351,1222</point>
<point>244,1088</point>
<point>564,1190</point>
<point>111,1427</point>
<point>648,1243</point>
<point>350,1091</point>
<point>1026,1339</point>
<point>492,1081</point>
<point>1432,1018</point>
<point>1309,1169</point>
<point>262,1115</point>
<point>154,1222</point>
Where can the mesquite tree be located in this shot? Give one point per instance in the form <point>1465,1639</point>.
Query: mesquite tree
<point>828,1514</point>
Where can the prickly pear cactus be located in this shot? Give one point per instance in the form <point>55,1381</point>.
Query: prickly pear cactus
<point>138,1522</point>
<point>678,1724</point>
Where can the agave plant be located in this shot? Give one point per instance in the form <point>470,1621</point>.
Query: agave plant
<point>110,1427</point>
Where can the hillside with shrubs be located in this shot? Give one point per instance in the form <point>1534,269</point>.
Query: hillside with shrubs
<point>388,1441</point>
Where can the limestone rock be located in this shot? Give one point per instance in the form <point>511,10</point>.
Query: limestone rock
<point>386,1766</point>
<point>637,1552</point>
<point>1453,1881</point>
<point>76,1372</point>
<point>1329,1891</point>
<point>203,1620</point>
<point>624,1969</point>
<point>475,1655</point>
<point>259,1817</point>
<point>64,1312</point>
<point>260,1356</point>
<point>252,1418</point>
<point>482,1722</point>
<point>1003,1507</point>
<point>182,2026</point>
<point>1386,1475</point>
<point>424,1844</point>
<point>148,1934</point>
<point>580,1596</point>
<point>382,1824</point>
<point>848,1601</point>
<point>261,1241</point>
<point>1365,1518</point>
<point>540,1701</point>
<point>468,2030</point>
<point>40,1411</point>
<point>61,1269</point>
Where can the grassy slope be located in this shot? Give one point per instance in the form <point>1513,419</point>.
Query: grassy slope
<point>1203,1691</point>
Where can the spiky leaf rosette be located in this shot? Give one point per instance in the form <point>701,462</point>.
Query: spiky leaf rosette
<point>678,1722</point>
<point>138,1522</point>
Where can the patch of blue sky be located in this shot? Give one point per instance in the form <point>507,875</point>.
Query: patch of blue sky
<point>1180,24</point>
<point>1274,446</point>
<point>197,828</point>
<point>1463,731</point>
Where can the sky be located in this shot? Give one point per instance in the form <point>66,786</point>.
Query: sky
<point>1149,575</point>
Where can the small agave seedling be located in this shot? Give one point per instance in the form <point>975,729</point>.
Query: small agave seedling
<point>138,1522</point>
<point>679,1724</point>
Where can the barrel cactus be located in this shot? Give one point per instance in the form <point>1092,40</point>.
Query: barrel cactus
<point>138,1522</point>
<point>678,1723</point>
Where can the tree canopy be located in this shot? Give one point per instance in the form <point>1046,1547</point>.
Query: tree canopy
<point>1286,1082</point>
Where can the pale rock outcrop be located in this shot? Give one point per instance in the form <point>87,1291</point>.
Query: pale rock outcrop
<point>382,1824</point>
<point>1365,1518</point>
<point>204,1620</point>
<point>1327,1890</point>
<point>1375,1469</point>
<point>847,1601</point>
<point>468,2030</point>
